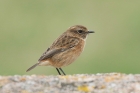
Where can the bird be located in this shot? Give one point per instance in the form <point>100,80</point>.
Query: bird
<point>65,49</point>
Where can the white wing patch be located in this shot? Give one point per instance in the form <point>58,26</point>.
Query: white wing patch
<point>44,63</point>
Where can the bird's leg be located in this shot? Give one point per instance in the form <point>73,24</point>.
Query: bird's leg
<point>62,71</point>
<point>58,71</point>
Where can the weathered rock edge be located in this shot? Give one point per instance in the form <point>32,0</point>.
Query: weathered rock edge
<point>79,83</point>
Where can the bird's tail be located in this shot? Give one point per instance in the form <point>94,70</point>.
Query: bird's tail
<point>32,67</point>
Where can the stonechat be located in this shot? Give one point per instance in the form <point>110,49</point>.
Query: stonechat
<point>65,49</point>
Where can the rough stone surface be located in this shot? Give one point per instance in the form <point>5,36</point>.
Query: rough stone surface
<point>80,83</point>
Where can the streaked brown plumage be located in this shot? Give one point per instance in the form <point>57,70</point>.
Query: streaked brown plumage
<point>65,49</point>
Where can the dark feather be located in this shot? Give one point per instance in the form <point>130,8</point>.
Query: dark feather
<point>32,67</point>
<point>49,54</point>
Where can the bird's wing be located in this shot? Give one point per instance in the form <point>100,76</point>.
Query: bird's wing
<point>52,52</point>
<point>49,53</point>
<point>58,47</point>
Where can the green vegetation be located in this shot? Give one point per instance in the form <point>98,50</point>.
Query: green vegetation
<point>27,28</point>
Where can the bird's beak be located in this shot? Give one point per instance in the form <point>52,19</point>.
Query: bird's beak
<point>91,32</point>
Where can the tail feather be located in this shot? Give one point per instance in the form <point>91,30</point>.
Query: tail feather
<point>32,67</point>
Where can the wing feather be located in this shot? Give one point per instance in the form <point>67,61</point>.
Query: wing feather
<point>62,44</point>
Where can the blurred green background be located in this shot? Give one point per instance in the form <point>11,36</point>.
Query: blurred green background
<point>28,27</point>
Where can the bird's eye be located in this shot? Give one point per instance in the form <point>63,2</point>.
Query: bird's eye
<point>80,31</point>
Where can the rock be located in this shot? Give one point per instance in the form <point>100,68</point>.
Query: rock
<point>79,83</point>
